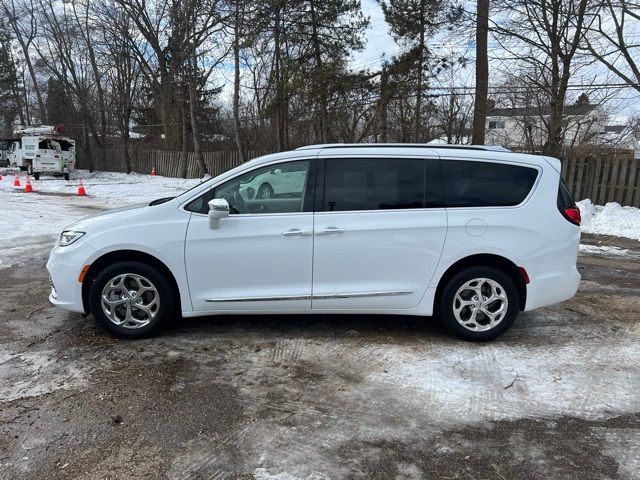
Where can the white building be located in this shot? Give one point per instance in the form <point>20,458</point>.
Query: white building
<point>526,127</point>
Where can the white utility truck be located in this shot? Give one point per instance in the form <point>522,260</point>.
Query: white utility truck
<point>43,150</point>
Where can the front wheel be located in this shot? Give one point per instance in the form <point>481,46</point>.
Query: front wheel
<point>36,176</point>
<point>131,300</point>
<point>265,192</point>
<point>479,303</point>
<point>66,177</point>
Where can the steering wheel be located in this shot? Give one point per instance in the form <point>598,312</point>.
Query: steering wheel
<point>239,203</point>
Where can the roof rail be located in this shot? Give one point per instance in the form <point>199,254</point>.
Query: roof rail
<point>493,148</point>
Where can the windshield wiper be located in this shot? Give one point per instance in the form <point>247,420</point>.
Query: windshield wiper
<point>160,200</point>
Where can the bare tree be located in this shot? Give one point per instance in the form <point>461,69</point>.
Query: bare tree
<point>546,34</point>
<point>21,15</point>
<point>609,40</point>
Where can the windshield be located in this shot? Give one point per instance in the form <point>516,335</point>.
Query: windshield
<point>197,185</point>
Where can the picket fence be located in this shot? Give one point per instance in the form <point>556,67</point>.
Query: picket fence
<point>603,178</point>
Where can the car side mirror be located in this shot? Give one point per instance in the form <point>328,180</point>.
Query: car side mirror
<point>218,209</point>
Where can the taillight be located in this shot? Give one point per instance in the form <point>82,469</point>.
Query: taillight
<point>572,214</point>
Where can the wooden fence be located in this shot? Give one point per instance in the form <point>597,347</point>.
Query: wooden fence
<point>610,177</point>
<point>167,163</point>
<point>604,178</point>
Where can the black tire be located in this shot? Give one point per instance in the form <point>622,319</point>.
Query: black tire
<point>265,188</point>
<point>66,177</point>
<point>163,314</point>
<point>36,176</point>
<point>446,304</point>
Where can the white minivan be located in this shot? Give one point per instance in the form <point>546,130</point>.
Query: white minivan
<point>471,234</point>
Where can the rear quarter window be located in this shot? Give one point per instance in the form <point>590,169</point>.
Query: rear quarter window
<point>485,184</point>
<point>564,195</point>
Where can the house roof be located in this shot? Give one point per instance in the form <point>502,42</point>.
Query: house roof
<point>569,110</point>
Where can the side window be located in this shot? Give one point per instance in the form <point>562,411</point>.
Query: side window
<point>279,188</point>
<point>485,184</point>
<point>373,184</point>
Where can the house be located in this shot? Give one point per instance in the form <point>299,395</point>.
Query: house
<point>524,128</point>
<point>624,137</point>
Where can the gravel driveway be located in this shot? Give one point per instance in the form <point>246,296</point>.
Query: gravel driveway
<point>317,397</point>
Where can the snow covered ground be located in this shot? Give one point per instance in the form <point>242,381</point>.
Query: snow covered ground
<point>611,219</point>
<point>36,219</point>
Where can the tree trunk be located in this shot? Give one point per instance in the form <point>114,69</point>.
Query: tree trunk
<point>236,84</point>
<point>320,79</point>
<point>421,46</point>
<point>185,137</point>
<point>195,127</point>
<point>87,145</point>
<point>280,121</point>
<point>383,105</point>
<point>482,73</point>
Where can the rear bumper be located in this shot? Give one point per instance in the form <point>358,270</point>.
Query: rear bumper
<point>552,289</point>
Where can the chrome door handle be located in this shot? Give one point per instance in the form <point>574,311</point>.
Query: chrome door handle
<point>296,232</point>
<point>330,230</point>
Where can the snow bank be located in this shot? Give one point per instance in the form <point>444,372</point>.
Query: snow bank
<point>612,219</point>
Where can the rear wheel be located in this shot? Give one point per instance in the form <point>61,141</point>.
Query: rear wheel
<point>131,300</point>
<point>66,177</point>
<point>479,303</point>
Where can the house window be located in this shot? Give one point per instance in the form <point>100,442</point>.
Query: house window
<point>494,124</point>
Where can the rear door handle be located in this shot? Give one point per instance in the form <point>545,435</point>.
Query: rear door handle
<point>330,230</point>
<point>296,232</point>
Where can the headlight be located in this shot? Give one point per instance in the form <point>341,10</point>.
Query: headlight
<point>68,237</point>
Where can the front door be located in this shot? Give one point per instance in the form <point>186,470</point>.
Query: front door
<point>260,257</point>
<point>379,232</point>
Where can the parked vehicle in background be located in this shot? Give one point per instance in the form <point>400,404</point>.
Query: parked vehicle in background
<point>472,235</point>
<point>44,149</point>
<point>286,180</point>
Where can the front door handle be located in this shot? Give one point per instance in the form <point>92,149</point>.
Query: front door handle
<point>330,230</point>
<point>296,232</point>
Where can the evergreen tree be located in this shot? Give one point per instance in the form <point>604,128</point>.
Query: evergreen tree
<point>327,32</point>
<point>10,103</point>
<point>60,109</point>
<point>411,23</point>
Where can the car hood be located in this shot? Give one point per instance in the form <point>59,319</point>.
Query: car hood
<point>115,215</point>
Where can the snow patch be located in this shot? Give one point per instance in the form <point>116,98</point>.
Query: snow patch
<point>26,375</point>
<point>603,250</point>
<point>611,219</point>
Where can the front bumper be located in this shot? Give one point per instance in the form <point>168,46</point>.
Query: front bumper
<point>64,266</point>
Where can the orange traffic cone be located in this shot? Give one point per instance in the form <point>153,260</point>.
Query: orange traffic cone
<point>16,181</point>
<point>81,191</point>
<point>27,186</point>
<point>153,172</point>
